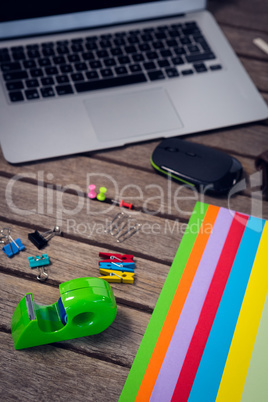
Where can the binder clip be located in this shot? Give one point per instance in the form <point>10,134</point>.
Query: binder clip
<point>122,264</point>
<point>116,276</point>
<point>40,240</point>
<point>86,307</point>
<point>40,263</point>
<point>120,229</point>
<point>13,247</point>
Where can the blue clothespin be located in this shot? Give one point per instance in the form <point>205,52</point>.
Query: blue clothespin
<point>118,266</point>
<point>38,261</point>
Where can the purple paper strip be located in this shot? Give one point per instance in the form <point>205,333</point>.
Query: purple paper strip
<point>172,364</point>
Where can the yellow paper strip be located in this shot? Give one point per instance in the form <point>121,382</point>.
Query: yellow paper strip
<point>237,363</point>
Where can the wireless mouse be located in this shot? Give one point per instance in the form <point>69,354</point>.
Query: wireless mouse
<point>197,165</point>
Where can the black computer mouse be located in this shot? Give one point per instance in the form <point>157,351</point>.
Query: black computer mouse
<point>197,165</point>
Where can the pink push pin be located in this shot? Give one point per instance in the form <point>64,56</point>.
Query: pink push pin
<point>92,194</point>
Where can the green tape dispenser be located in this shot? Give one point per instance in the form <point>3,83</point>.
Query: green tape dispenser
<point>86,306</point>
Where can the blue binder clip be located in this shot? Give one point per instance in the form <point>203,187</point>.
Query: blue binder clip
<point>40,262</point>
<point>13,247</point>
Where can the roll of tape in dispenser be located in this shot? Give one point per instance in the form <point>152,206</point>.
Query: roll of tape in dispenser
<point>86,306</point>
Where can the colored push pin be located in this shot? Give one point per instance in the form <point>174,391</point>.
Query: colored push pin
<point>123,204</point>
<point>101,195</point>
<point>92,193</point>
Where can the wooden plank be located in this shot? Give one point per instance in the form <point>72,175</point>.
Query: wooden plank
<point>72,259</point>
<point>45,207</point>
<point>257,71</point>
<point>118,344</point>
<point>241,13</point>
<point>242,42</point>
<point>49,373</point>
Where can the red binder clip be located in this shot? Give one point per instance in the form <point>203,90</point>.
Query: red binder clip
<point>109,257</point>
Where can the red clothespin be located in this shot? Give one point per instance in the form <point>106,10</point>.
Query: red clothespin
<point>109,257</point>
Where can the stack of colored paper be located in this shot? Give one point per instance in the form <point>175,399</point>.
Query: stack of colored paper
<point>207,339</point>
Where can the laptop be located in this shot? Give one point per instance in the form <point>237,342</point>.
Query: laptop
<point>84,76</point>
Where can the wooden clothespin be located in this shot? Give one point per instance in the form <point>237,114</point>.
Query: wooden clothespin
<point>116,276</point>
<point>118,266</point>
<point>109,257</point>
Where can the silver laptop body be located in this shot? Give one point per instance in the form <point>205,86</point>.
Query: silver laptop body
<point>220,94</point>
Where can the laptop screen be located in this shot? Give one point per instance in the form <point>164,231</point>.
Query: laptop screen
<point>37,9</point>
<point>50,16</point>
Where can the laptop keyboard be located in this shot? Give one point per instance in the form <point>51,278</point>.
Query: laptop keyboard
<point>90,63</point>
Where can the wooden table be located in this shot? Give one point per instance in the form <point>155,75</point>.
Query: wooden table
<point>40,195</point>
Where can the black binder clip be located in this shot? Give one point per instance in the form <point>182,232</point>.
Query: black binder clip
<point>40,240</point>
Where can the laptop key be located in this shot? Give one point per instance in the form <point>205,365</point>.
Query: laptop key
<point>200,57</point>
<point>59,60</point>
<point>4,57</point>
<point>44,62</point>
<point>179,51</point>
<point>106,72</point>
<point>163,63</point>
<point>64,89</point>
<point>149,65</point>
<point>47,92</point>
<point>137,57</point>
<point>92,75</point>
<point>13,85</point>
<point>177,61</point>
<point>32,83</point>
<point>187,72</point>
<point>31,94</point>
<point>215,67</point>
<point>63,50</point>
<point>11,66</point>
<point>88,56</point>
<point>29,63</point>
<point>16,96</point>
<point>156,75</point>
<point>77,77</point>
<point>66,68</point>
<point>123,60</point>
<point>172,72</point>
<point>120,70</point>
<point>19,56</point>
<point>51,70</point>
<point>73,58</point>
<point>151,55</point>
<point>33,54</point>
<point>37,72</point>
<point>16,75</point>
<point>47,81</point>
<point>109,62</point>
<point>110,82</point>
<point>62,79</point>
<point>80,66</point>
<point>200,67</point>
<point>116,51</point>
<point>48,51</point>
<point>134,68</point>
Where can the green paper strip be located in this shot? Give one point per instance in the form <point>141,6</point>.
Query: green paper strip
<point>256,385</point>
<point>156,322</point>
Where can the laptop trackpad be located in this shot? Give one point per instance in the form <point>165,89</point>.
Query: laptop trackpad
<point>119,116</point>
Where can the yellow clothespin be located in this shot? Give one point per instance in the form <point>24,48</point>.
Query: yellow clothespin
<point>116,276</point>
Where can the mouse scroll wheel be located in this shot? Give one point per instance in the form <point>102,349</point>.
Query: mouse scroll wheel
<point>172,149</point>
<point>190,154</point>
